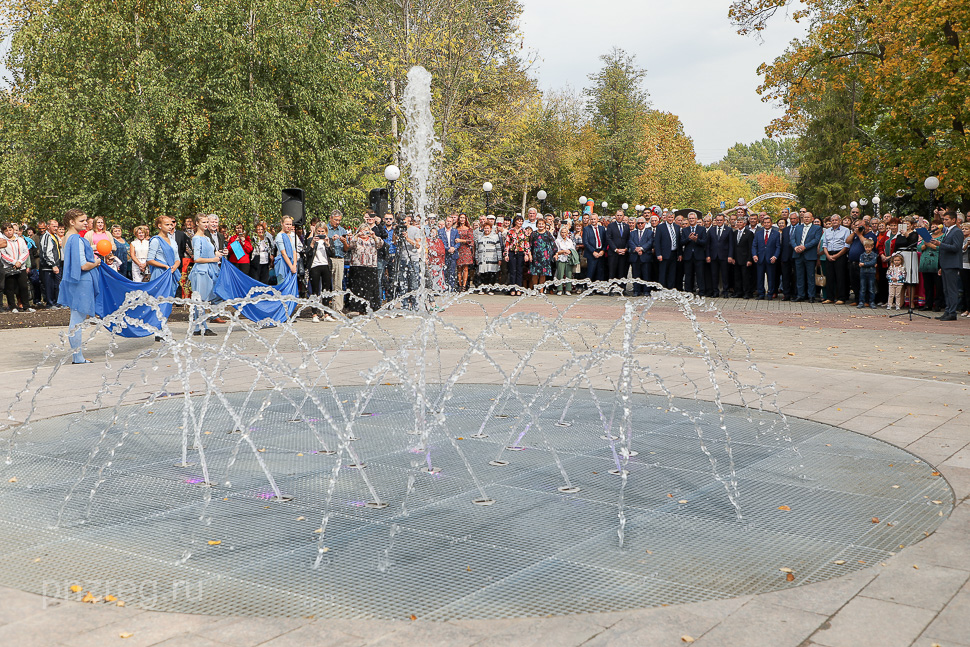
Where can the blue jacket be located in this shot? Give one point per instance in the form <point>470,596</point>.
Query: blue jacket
<point>662,244</point>
<point>642,239</point>
<point>694,250</point>
<point>951,249</point>
<point>615,239</point>
<point>786,248</point>
<point>450,238</point>
<point>589,240</point>
<point>811,242</point>
<point>720,248</point>
<point>763,251</point>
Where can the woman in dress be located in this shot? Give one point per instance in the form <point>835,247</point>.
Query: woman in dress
<point>516,247</point>
<point>264,250</point>
<point>436,262</point>
<point>139,255</point>
<point>363,277</point>
<point>240,236</point>
<point>489,254</point>
<point>121,252</point>
<point>466,250</point>
<point>566,257</point>
<point>543,250</point>
<point>205,270</point>
<point>78,289</point>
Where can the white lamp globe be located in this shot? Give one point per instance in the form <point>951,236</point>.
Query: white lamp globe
<point>853,204</point>
<point>624,206</point>
<point>932,183</point>
<point>603,204</point>
<point>541,194</point>
<point>582,199</point>
<point>487,187</point>
<point>392,173</point>
<point>876,199</point>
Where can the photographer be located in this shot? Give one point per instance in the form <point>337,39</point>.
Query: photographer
<point>857,237</point>
<point>320,251</point>
<point>364,247</point>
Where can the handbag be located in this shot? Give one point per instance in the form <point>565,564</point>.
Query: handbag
<point>819,277</point>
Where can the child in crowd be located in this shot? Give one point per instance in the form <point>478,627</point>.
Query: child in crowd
<point>867,275</point>
<point>896,274</point>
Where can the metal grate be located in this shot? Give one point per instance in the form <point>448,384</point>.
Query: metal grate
<point>128,521</point>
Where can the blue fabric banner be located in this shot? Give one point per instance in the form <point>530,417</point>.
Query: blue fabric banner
<point>113,290</point>
<point>233,284</point>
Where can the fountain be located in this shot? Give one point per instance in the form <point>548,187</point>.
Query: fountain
<point>491,457</point>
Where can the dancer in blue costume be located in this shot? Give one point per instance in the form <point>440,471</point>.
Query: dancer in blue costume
<point>204,272</point>
<point>287,246</point>
<point>78,290</point>
<point>163,254</point>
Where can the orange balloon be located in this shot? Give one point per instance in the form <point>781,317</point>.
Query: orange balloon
<point>104,247</point>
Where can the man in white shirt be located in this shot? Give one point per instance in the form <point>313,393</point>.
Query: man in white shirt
<point>836,252</point>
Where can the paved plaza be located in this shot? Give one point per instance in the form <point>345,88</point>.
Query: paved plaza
<point>896,380</point>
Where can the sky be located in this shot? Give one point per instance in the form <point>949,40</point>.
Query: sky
<point>698,67</point>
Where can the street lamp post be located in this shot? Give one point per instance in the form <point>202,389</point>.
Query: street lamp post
<point>392,174</point>
<point>875,204</point>
<point>542,201</point>
<point>932,183</point>
<point>487,190</point>
<point>603,204</point>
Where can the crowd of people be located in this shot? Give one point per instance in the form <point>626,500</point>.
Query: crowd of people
<point>856,260</point>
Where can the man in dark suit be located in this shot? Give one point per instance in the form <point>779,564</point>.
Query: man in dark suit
<point>805,237</point>
<point>744,270</point>
<point>693,242</point>
<point>666,246</point>
<point>594,249</point>
<point>720,247</point>
<point>617,239</point>
<point>641,255</point>
<point>786,269</point>
<point>951,263</point>
<point>765,251</point>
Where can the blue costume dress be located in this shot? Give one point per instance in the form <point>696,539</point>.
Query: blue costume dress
<point>78,290</point>
<point>203,276</point>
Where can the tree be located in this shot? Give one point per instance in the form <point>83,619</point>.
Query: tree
<point>131,109</point>
<point>764,156</point>
<point>726,188</point>
<point>671,174</point>
<point>618,107</point>
<point>901,69</point>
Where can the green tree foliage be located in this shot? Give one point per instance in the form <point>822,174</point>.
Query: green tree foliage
<point>671,174</point>
<point>133,108</point>
<point>618,109</point>
<point>764,156</point>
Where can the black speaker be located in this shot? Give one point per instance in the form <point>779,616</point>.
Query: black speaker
<point>294,206</point>
<point>377,200</point>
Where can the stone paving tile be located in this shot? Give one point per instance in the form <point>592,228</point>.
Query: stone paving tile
<point>953,623</point>
<point>569,630</point>
<point>928,587</point>
<point>664,627</point>
<point>760,623</point>
<point>17,605</point>
<point>824,598</point>
<point>146,629</point>
<point>959,480</point>
<point>927,641</point>
<point>424,633</point>
<point>316,636</point>
<point>64,622</point>
<point>864,621</point>
<point>868,423</point>
<point>190,641</point>
<point>899,434</point>
<point>248,632</point>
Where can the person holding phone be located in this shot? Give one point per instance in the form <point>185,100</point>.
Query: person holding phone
<point>320,277</point>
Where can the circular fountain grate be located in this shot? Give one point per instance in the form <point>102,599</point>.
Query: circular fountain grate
<point>131,522</point>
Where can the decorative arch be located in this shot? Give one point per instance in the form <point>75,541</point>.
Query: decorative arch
<point>791,197</point>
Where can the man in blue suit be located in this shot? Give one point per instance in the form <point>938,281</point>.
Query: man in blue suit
<point>641,255</point>
<point>720,247</point>
<point>617,240</point>
<point>594,249</point>
<point>693,242</point>
<point>951,264</point>
<point>449,236</point>
<point>765,251</point>
<point>666,246</point>
<point>786,273</point>
<point>805,237</point>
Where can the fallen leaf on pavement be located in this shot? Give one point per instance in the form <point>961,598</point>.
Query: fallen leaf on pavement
<point>875,520</point>
<point>784,507</point>
<point>215,542</point>
<point>686,639</point>
<point>127,634</point>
